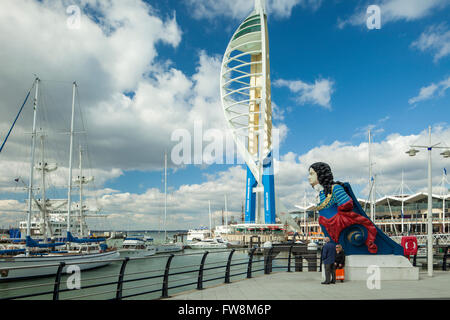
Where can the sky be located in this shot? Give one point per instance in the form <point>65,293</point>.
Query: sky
<point>148,74</point>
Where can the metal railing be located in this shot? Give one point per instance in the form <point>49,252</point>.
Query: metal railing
<point>197,275</point>
<point>114,285</point>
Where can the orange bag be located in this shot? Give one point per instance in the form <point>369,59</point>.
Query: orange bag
<point>340,274</point>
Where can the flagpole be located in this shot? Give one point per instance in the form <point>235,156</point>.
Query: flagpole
<point>444,179</point>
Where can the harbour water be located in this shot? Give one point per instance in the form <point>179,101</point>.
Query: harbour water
<point>187,260</point>
<point>152,266</point>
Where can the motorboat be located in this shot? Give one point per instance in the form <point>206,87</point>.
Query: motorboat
<point>137,247</point>
<point>209,244</point>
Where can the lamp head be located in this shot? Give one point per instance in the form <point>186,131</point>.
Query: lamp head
<point>412,152</point>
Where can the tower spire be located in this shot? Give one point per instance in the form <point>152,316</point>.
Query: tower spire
<point>260,5</point>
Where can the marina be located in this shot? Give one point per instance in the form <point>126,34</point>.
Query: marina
<point>186,275</point>
<point>279,223</point>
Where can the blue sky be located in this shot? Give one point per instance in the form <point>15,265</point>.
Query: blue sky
<point>375,73</point>
<point>148,68</point>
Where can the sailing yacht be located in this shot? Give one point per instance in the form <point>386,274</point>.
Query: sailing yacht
<point>47,251</point>
<point>167,245</point>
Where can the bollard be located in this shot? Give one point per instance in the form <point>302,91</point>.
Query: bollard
<point>270,259</point>
<point>227,272</point>
<point>120,281</point>
<point>298,262</point>
<point>250,261</point>
<point>165,287</point>
<point>268,262</point>
<point>444,259</point>
<point>58,281</point>
<point>289,259</point>
<point>320,267</point>
<point>200,272</point>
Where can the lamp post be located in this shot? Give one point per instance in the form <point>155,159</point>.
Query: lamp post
<point>412,152</point>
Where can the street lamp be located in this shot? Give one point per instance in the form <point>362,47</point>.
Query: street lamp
<point>412,152</point>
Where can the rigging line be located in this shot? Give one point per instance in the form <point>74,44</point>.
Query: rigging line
<point>87,150</point>
<point>17,117</point>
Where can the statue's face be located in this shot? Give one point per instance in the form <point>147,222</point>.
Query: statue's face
<point>312,177</point>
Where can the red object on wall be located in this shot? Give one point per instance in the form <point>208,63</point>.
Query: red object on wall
<point>409,245</point>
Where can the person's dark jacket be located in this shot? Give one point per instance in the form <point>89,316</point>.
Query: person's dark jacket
<point>329,253</point>
<point>340,258</point>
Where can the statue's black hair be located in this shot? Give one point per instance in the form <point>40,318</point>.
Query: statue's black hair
<point>325,177</point>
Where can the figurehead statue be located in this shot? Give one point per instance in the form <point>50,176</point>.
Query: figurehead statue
<point>342,218</point>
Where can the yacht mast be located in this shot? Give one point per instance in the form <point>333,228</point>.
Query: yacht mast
<point>304,215</point>
<point>210,224</point>
<point>165,196</point>
<point>33,147</point>
<point>69,193</point>
<point>226,214</point>
<point>43,167</point>
<point>403,201</point>
<point>443,193</point>
<point>81,180</point>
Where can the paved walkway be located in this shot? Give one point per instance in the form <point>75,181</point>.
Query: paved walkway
<point>306,286</point>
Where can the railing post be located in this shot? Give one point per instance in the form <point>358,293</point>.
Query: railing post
<point>444,259</point>
<point>165,290</point>
<point>227,271</point>
<point>289,259</point>
<point>58,280</point>
<point>250,261</point>
<point>415,260</point>
<point>200,272</point>
<point>120,281</point>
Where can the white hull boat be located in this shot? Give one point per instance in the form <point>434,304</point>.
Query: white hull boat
<point>97,259</point>
<point>133,247</point>
<point>198,234</point>
<point>208,244</point>
<point>169,247</point>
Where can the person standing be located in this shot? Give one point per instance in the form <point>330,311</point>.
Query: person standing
<point>328,259</point>
<point>339,261</point>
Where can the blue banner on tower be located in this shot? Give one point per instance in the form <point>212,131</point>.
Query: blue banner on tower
<point>269,189</point>
<point>250,198</point>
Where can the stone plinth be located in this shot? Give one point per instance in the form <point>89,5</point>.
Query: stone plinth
<point>390,267</point>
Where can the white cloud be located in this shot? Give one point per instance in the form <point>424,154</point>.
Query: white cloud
<point>395,10</point>
<point>318,93</point>
<point>429,92</point>
<point>188,204</point>
<point>239,9</point>
<point>107,58</point>
<point>435,39</point>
